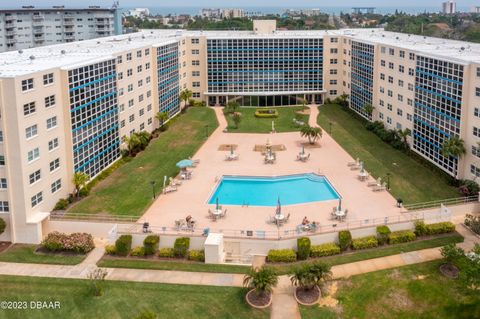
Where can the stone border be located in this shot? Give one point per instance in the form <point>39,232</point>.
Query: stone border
<point>308,304</point>
<point>255,306</point>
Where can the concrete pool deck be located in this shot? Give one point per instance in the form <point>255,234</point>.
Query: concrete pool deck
<point>329,160</point>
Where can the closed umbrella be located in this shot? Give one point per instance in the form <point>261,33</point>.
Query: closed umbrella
<point>216,206</point>
<point>340,204</point>
<point>231,149</point>
<point>278,211</point>
<point>303,149</point>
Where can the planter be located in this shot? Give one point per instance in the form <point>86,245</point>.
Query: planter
<point>309,298</point>
<point>449,271</point>
<point>258,303</point>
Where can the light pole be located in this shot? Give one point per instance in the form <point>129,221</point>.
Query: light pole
<point>206,130</point>
<point>153,188</point>
<point>330,128</point>
<point>388,181</point>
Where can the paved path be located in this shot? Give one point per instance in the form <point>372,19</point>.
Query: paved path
<point>284,305</point>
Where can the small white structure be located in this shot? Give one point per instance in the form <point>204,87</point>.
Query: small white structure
<point>214,251</point>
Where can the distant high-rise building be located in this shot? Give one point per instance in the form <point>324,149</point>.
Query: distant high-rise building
<point>29,27</point>
<point>475,9</point>
<point>449,7</point>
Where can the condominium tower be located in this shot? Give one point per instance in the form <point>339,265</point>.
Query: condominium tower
<point>64,108</point>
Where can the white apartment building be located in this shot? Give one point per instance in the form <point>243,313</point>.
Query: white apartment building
<point>31,27</point>
<point>449,7</point>
<point>65,108</point>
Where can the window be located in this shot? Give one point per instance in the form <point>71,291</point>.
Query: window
<point>149,120</point>
<point>130,88</point>
<point>411,56</point>
<point>389,120</point>
<point>31,131</point>
<point>410,102</point>
<point>140,98</point>
<point>129,56</point>
<point>409,117</point>
<point>37,199</point>
<point>51,122</point>
<point>380,115</point>
<point>411,72</point>
<point>382,62</point>
<point>33,154</point>
<point>333,61</point>
<point>383,49</point>
<point>382,76</point>
<point>3,206</point>
<point>56,185</point>
<point>195,84</point>
<point>122,123</point>
<point>390,93</point>
<point>333,40</point>
<point>47,78</point>
<point>402,53</point>
<point>195,62</point>
<point>130,103</point>
<point>333,82</point>
<point>54,164</point>
<point>119,59</point>
<point>333,51</point>
<point>391,51</point>
<point>333,71</point>
<point>29,108</point>
<point>478,72</point>
<point>390,79</point>
<point>195,41</point>
<point>391,66</point>
<point>401,69</point>
<point>400,83</point>
<point>27,85</point>
<point>149,107</point>
<point>1,136</point>
<point>147,79</point>
<point>195,73</point>
<point>476,112</point>
<point>389,106</point>
<point>399,112</point>
<point>129,72</point>
<point>131,118</point>
<point>140,83</point>
<point>50,101</point>
<point>147,52</point>
<point>141,112</point>
<point>410,86</point>
<point>35,176</point>
<point>2,160</point>
<point>477,92</point>
<point>333,92</point>
<point>196,95</point>
<point>53,144</point>
<point>139,53</point>
<point>142,126</point>
<point>149,93</point>
<point>147,66</point>
<point>3,183</point>
<point>139,68</point>
<point>400,98</point>
<point>195,52</point>
<point>120,76</point>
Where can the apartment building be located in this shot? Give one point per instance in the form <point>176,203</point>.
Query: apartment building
<point>30,27</point>
<point>65,108</point>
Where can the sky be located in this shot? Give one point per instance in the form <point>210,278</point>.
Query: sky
<point>230,3</point>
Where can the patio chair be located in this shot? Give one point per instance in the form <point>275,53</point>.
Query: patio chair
<point>210,214</point>
<point>370,184</point>
<point>169,189</point>
<point>288,217</point>
<point>349,164</point>
<point>345,216</point>
<point>178,224</point>
<point>224,213</point>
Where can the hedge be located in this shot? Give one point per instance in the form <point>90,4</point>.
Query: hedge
<point>328,249</point>
<point>180,248</point>
<point>365,242</point>
<point>344,239</point>
<point>123,245</point>
<point>150,244</point>
<point>440,228</point>
<point>303,248</point>
<point>401,236</point>
<point>81,243</point>
<point>3,225</point>
<point>166,253</point>
<point>382,234</point>
<point>110,250</point>
<point>267,113</point>
<point>420,228</point>
<point>138,251</point>
<point>281,256</point>
<point>196,255</point>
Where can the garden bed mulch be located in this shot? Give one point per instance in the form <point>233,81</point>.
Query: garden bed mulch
<point>227,147</point>
<point>307,297</point>
<point>449,271</point>
<point>275,148</point>
<point>258,300</point>
<point>42,251</point>
<point>153,258</point>
<point>304,112</point>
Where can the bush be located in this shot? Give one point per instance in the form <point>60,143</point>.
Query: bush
<point>440,228</point>
<point>77,242</point>
<point>303,248</point>
<point>3,225</point>
<point>110,250</point>
<point>166,253</point>
<point>468,187</point>
<point>328,249</point>
<point>420,228</point>
<point>382,234</point>
<point>196,255</point>
<point>84,192</point>
<point>62,204</point>
<point>473,222</point>
<point>401,236</point>
<point>150,244</point>
<point>180,248</point>
<point>138,252</point>
<point>365,242</point>
<point>123,245</point>
<point>344,239</point>
<point>281,256</point>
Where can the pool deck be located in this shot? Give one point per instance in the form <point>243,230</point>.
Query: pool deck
<point>329,160</point>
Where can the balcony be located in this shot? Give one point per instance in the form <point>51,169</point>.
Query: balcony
<point>39,39</point>
<point>11,41</point>
<point>69,36</point>
<point>38,31</point>
<point>10,32</point>
<point>10,18</point>
<point>38,17</point>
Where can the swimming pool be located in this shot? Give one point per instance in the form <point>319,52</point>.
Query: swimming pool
<point>265,191</point>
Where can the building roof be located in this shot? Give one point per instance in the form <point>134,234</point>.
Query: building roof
<point>67,55</point>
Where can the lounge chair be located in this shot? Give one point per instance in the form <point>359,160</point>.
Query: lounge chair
<point>380,188</point>
<point>352,164</point>
<point>355,168</point>
<point>370,184</point>
<point>169,189</point>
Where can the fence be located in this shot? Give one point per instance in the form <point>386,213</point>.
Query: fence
<point>95,218</point>
<point>450,201</point>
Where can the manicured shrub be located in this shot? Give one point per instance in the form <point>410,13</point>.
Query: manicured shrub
<point>328,249</point>
<point>303,248</point>
<point>123,245</point>
<point>3,225</point>
<point>138,252</point>
<point>440,228</point>
<point>54,241</point>
<point>344,239</point>
<point>401,236</point>
<point>364,242</point>
<point>281,256</point>
<point>420,228</point>
<point>62,204</point>
<point>382,234</point>
<point>196,255</point>
<point>150,243</point>
<point>180,248</point>
<point>166,253</point>
<point>473,222</point>
<point>110,250</point>
<point>77,242</point>
<point>266,113</point>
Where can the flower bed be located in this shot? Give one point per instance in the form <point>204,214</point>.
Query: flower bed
<point>266,113</point>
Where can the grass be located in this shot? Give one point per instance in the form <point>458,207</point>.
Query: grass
<point>170,265</point>
<point>128,191</point>
<point>387,250</point>
<point>26,254</point>
<point>252,124</point>
<point>410,180</point>
<point>416,291</point>
<point>125,299</point>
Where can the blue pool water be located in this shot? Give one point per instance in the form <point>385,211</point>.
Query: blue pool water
<point>265,191</point>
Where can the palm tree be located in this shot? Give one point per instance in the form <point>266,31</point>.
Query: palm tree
<point>404,134</point>
<point>144,138</point>
<point>162,117</point>
<point>368,109</point>
<point>232,107</point>
<point>342,100</point>
<point>262,280</point>
<point>132,142</point>
<point>79,180</point>
<point>308,275</point>
<point>454,147</point>
<point>312,133</point>
<point>185,95</point>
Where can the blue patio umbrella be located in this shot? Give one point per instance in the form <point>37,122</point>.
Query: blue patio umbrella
<point>185,163</point>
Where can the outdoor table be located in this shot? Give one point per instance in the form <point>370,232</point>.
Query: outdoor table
<point>302,156</point>
<point>362,176</point>
<point>340,213</point>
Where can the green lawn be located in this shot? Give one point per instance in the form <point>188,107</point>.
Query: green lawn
<point>410,180</point>
<point>252,124</point>
<point>125,300</point>
<point>170,265</point>
<point>127,191</point>
<point>26,254</point>
<point>416,291</point>
<point>383,251</point>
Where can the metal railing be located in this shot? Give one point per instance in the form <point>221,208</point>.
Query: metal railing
<point>450,201</point>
